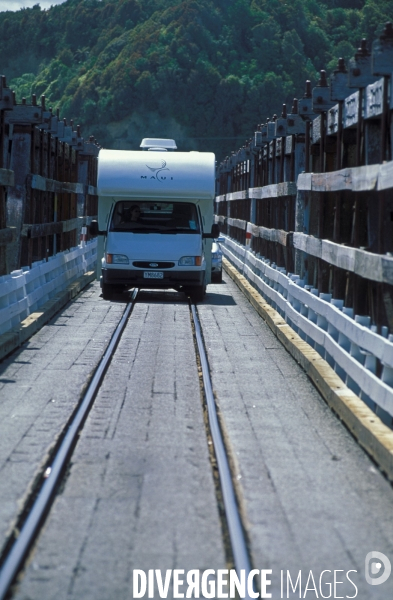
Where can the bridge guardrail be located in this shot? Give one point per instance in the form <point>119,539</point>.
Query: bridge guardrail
<point>48,176</point>
<point>349,343</point>
<point>309,197</point>
<point>26,290</point>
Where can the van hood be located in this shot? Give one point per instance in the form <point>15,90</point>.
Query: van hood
<point>154,246</point>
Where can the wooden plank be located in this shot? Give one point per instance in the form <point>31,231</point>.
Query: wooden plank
<point>318,182</point>
<point>332,120</point>
<point>272,235</point>
<point>340,256</point>
<point>255,192</point>
<point>242,195</point>
<point>369,265</point>
<point>357,179</point>
<point>350,110</point>
<point>7,177</point>
<point>385,176</point>
<point>40,183</point>
<point>44,184</point>
<point>387,269</point>
<point>314,246</point>
<point>282,237</point>
<point>41,229</point>
<point>365,178</point>
<point>287,188</point>
<point>92,191</point>
<point>300,241</point>
<point>72,224</point>
<point>304,181</point>
<point>44,229</point>
<point>72,188</point>
<point>307,243</point>
<point>275,190</point>
<point>374,99</point>
<point>266,234</point>
<point>254,230</point>
<point>270,191</point>
<point>288,144</point>
<point>375,267</point>
<point>337,180</point>
<point>316,130</point>
<point>237,223</point>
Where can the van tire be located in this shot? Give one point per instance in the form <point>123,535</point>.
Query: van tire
<point>197,293</point>
<point>107,291</point>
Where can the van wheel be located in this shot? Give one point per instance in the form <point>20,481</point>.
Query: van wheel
<point>107,291</point>
<point>197,293</point>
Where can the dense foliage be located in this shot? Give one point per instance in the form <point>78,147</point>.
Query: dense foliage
<point>202,71</point>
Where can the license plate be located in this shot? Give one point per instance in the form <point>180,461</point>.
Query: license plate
<point>153,275</point>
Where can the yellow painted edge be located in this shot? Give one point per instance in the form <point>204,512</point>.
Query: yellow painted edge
<point>14,338</point>
<point>373,435</point>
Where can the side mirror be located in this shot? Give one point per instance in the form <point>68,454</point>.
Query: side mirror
<point>93,228</point>
<point>215,232</point>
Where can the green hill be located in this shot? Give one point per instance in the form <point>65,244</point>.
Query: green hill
<point>204,72</point>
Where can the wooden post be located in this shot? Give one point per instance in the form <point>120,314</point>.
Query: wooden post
<point>5,98</point>
<point>382,59</point>
<point>18,200</point>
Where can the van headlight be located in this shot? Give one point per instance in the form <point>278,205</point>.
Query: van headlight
<point>117,259</point>
<point>190,261</point>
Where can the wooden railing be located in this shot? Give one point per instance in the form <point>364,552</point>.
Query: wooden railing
<point>312,190</point>
<point>48,176</point>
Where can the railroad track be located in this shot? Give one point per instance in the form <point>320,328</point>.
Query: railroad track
<point>30,525</point>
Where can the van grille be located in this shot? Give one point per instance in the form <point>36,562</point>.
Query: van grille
<point>151,264</point>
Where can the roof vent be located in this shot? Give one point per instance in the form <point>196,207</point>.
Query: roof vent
<point>158,145</point>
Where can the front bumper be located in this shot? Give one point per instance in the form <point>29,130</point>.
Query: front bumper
<point>135,278</point>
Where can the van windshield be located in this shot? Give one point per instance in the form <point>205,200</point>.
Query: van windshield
<point>154,217</point>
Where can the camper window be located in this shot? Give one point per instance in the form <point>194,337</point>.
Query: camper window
<point>152,217</point>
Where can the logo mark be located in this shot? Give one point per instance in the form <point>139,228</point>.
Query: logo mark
<point>153,264</point>
<point>157,170</point>
<point>374,562</point>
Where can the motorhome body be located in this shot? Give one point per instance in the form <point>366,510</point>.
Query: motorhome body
<point>156,215</point>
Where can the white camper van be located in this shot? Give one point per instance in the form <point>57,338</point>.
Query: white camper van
<point>155,218</point>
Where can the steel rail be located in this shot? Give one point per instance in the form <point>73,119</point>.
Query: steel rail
<point>236,532</point>
<point>36,516</point>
